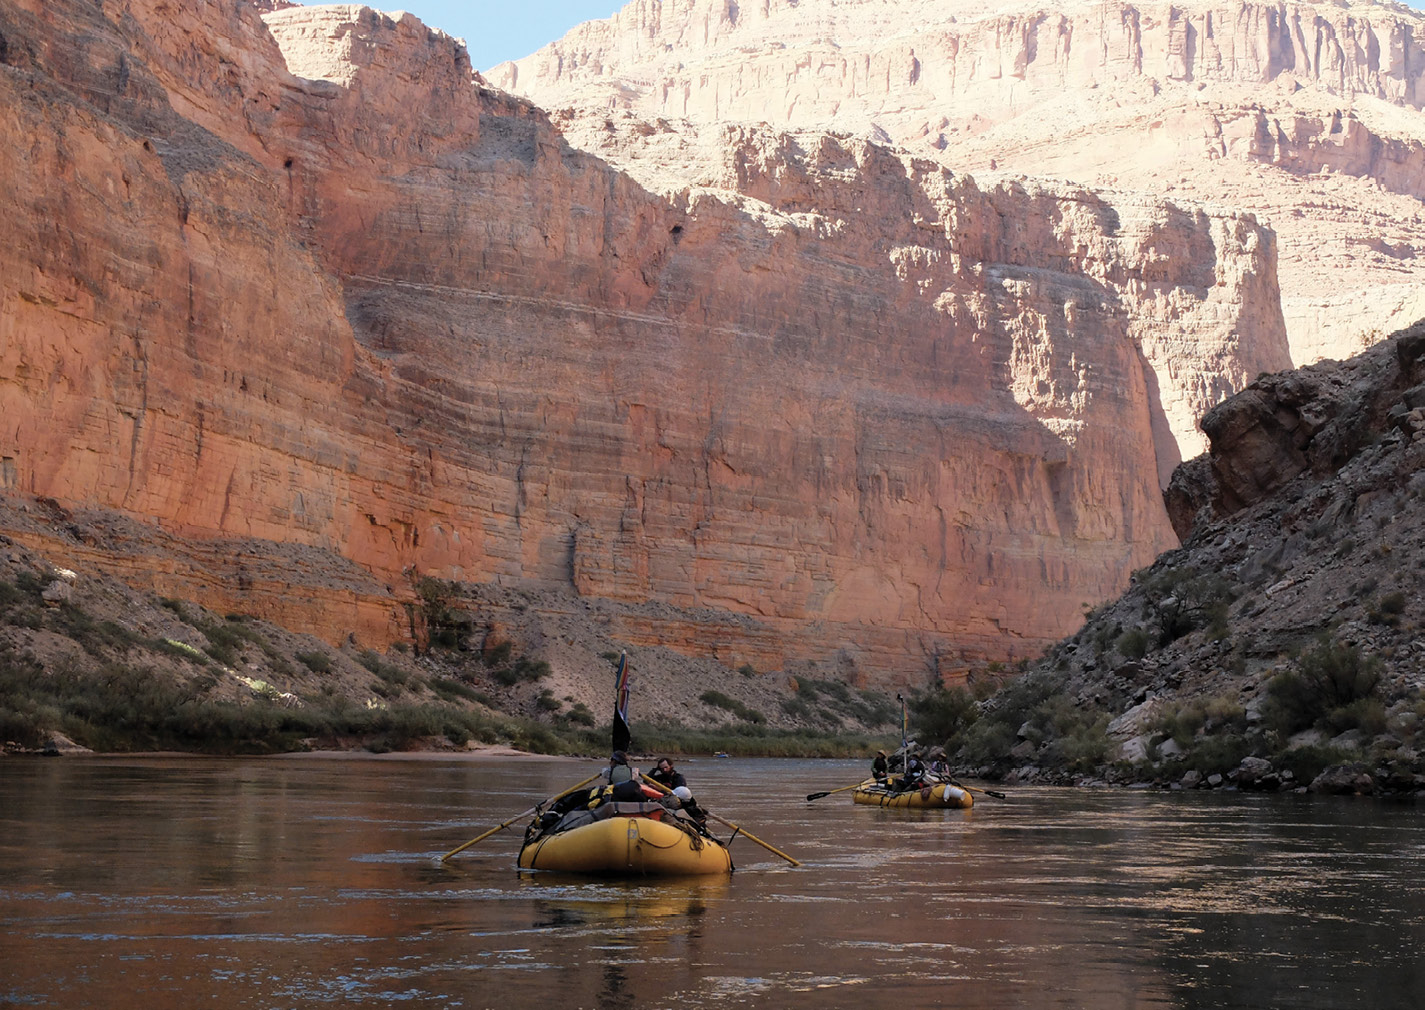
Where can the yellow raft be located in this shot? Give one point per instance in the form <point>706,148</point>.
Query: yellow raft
<point>627,846</point>
<point>940,795</point>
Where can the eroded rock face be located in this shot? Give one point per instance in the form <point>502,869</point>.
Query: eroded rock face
<point>846,407</point>
<point>1305,114</point>
<point>1315,419</point>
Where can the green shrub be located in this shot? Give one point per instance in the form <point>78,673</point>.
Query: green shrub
<point>1305,763</point>
<point>437,613</point>
<point>941,714</point>
<point>1133,643</point>
<point>521,670</point>
<point>719,700</point>
<point>1328,676</point>
<point>1364,714</point>
<point>100,639</point>
<point>1217,753</point>
<point>580,714</point>
<point>317,662</point>
<point>448,689</point>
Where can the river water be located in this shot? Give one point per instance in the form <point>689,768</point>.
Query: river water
<point>313,882</point>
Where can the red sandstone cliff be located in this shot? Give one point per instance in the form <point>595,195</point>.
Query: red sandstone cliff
<point>846,407</point>
<point>1306,114</point>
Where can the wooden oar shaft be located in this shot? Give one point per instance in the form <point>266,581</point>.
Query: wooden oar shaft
<point>743,831</point>
<point>987,792</point>
<point>830,792</point>
<point>481,837</point>
<point>506,824</point>
<point>723,821</point>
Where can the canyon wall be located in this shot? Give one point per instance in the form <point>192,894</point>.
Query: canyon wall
<point>1307,115</point>
<point>309,291</point>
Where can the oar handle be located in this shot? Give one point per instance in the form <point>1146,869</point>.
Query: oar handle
<point>829,792</point>
<point>723,821</point>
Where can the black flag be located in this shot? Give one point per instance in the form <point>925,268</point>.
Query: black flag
<point>622,736</point>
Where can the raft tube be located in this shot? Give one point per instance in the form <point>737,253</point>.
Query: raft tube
<point>941,795</point>
<point>627,847</point>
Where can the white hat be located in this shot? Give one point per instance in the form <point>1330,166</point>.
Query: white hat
<point>683,793</point>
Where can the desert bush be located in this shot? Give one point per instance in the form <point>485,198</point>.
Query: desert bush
<point>579,714</point>
<point>392,674</point>
<point>1082,745</point>
<point>941,714</point>
<point>437,613</point>
<point>1217,753</point>
<point>1327,677</point>
<point>317,662</point>
<point>521,670</point>
<point>448,689</point>
<point>1364,714</point>
<point>1305,763</point>
<point>101,639</point>
<point>987,742</point>
<point>719,700</point>
<point>1133,643</point>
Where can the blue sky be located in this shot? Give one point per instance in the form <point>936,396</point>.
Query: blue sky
<point>495,32</point>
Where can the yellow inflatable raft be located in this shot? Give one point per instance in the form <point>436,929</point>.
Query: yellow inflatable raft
<point>941,794</point>
<point>627,846</point>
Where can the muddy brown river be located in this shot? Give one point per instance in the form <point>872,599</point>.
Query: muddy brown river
<point>314,882</point>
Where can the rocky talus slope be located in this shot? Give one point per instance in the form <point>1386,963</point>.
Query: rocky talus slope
<point>1280,647</point>
<point>1306,114</point>
<point>296,314</point>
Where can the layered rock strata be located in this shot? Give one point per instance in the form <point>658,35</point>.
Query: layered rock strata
<point>857,410</point>
<point>1306,114</point>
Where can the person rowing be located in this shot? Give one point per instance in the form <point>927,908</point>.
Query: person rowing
<point>880,766</point>
<point>913,777</point>
<point>666,775</point>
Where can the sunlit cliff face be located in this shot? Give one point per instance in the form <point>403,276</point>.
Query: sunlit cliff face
<point>311,286</point>
<point>1306,115</point>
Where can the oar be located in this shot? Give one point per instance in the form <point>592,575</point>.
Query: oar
<point>506,824</point>
<point>740,830</point>
<point>817,796</point>
<point>987,792</point>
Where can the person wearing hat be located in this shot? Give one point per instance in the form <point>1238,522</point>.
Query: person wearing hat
<point>681,798</point>
<point>880,767</point>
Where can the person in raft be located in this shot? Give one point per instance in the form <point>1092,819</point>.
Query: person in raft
<point>623,778</point>
<point>682,798</point>
<point>667,776</point>
<point>914,775</point>
<point>880,766</point>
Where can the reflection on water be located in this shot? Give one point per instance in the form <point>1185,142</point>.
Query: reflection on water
<point>315,882</point>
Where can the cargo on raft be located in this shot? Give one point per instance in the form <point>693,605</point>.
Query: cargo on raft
<point>616,838</point>
<point>937,795</point>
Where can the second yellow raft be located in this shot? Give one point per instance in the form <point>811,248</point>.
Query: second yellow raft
<point>941,794</point>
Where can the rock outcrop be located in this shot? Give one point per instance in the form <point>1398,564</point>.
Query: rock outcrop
<point>1278,648</point>
<point>856,411</point>
<point>1306,114</point>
